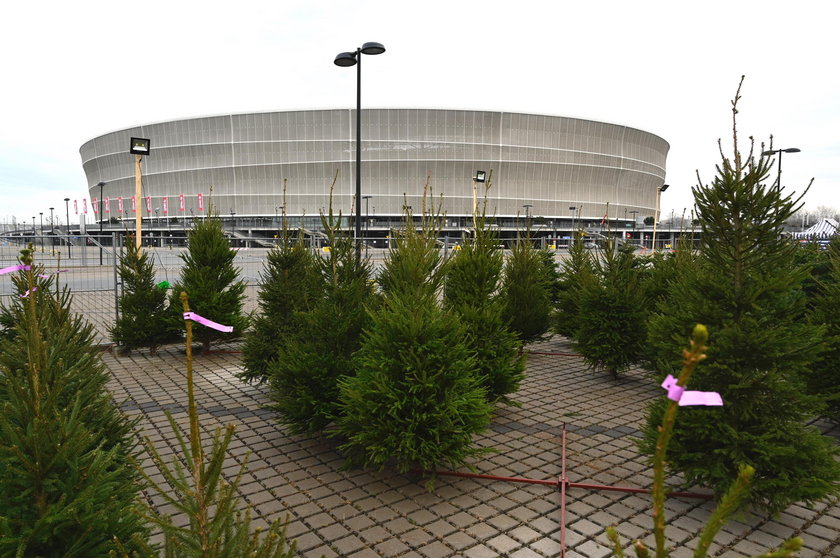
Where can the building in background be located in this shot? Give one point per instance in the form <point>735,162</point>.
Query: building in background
<point>554,172</point>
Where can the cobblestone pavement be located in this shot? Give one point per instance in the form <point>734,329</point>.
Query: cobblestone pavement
<point>367,514</point>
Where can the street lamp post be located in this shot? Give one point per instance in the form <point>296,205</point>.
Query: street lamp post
<point>41,225</point>
<point>528,207</point>
<point>346,59</point>
<point>573,209</point>
<point>34,231</point>
<point>367,213</point>
<point>656,214</point>
<point>52,232</point>
<point>67,209</point>
<point>101,217</point>
<point>770,152</point>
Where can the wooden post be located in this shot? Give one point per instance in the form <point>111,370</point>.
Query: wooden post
<point>138,203</point>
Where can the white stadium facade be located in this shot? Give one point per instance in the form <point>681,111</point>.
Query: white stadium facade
<point>553,172</point>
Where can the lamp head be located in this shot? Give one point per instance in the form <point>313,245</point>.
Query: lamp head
<point>480,176</point>
<point>664,187</point>
<point>372,48</point>
<point>345,59</point>
<point>792,150</point>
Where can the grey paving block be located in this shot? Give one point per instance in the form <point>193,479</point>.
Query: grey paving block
<point>362,513</point>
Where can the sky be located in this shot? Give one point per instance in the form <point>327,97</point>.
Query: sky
<point>76,70</point>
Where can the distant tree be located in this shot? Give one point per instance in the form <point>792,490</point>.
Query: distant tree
<point>747,291</point>
<point>142,305</point>
<point>648,220</point>
<point>212,282</point>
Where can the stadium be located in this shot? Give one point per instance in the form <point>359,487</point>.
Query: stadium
<point>553,173</point>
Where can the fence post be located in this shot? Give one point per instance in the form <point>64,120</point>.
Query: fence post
<point>114,239</point>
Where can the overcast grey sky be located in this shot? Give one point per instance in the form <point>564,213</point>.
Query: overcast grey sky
<point>73,71</point>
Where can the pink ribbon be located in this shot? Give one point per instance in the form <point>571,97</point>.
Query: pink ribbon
<point>686,398</point>
<point>26,294</point>
<point>209,323</point>
<point>12,268</point>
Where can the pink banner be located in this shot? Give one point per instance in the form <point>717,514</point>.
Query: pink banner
<point>182,203</point>
<point>165,205</point>
<point>95,206</point>
<point>120,204</point>
<point>201,202</point>
<point>107,204</point>
<point>84,205</point>
<point>76,206</point>
<point>149,205</point>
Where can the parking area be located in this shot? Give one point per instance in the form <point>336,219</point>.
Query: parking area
<point>361,513</point>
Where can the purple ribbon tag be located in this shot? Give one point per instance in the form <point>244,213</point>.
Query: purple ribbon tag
<point>688,398</point>
<point>12,268</point>
<point>209,323</point>
<point>26,294</point>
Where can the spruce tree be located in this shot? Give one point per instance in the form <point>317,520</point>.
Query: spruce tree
<point>193,484</point>
<point>824,377</point>
<point>212,281</point>
<point>526,290</point>
<point>66,486</point>
<point>577,269</point>
<point>314,355</point>
<point>746,289</point>
<point>142,307</point>
<point>472,291</point>
<point>611,321</point>
<point>416,399</point>
<point>289,283</point>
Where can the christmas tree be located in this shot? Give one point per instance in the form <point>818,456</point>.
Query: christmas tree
<point>527,290</point>
<point>824,378</point>
<point>611,321</point>
<point>416,399</point>
<point>66,485</point>
<point>747,290</point>
<point>473,284</point>
<point>142,307</point>
<point>212,281</point>
<point>317,353</point>
<point>576,271</point>
<point>193,485</point>
<point>289,284</point>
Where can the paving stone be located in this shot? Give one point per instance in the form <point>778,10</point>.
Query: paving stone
<point>362,513</point>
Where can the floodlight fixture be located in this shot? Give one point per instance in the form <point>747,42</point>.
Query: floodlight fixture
<point>140,146</point>
<point>480,176</point>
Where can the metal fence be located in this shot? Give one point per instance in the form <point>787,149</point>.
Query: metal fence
<point>96,287</point>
